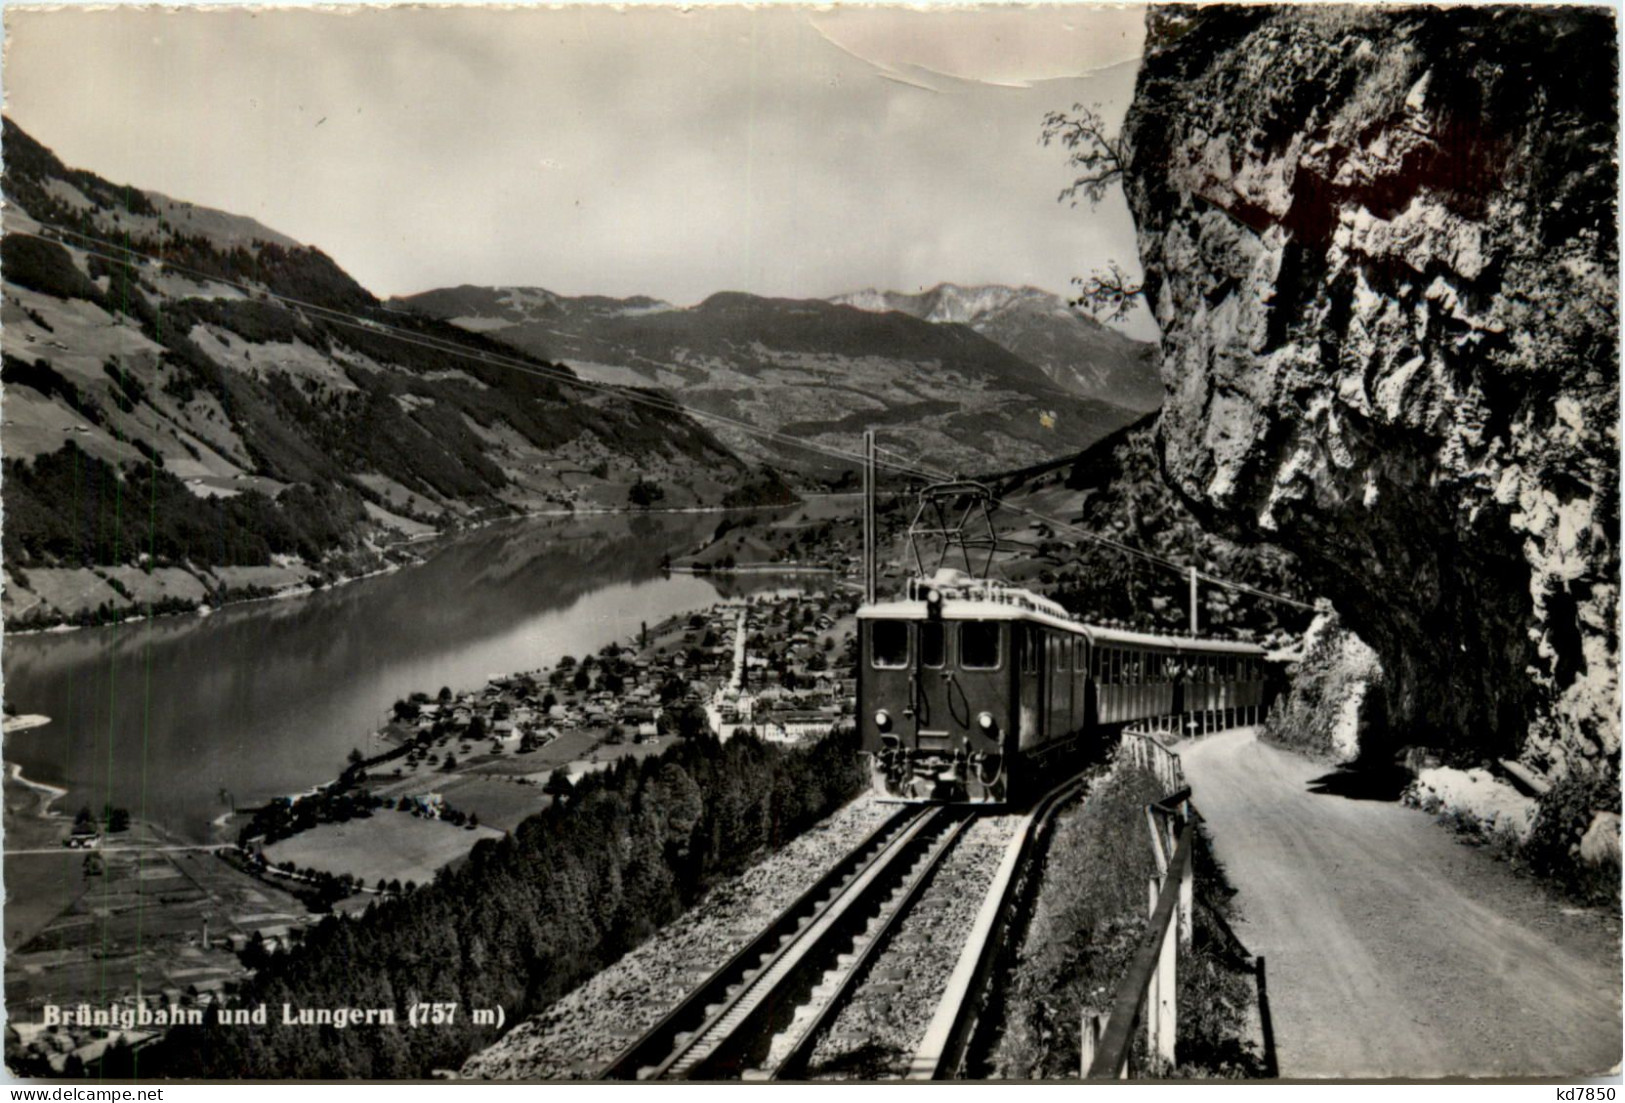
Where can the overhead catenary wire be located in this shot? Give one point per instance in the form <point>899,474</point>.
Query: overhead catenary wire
<point>565,377</point>
<point>1125,549</point>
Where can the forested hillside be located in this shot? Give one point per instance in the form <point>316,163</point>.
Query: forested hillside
<point>526,918</point>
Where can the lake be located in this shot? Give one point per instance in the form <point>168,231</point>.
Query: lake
<point>178,717</point>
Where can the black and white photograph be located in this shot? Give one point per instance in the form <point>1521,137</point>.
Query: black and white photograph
<point>783,544</point>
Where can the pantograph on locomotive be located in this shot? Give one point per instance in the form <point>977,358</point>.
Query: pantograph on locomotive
<point>973,690</point>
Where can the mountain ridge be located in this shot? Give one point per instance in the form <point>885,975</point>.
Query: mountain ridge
<point>257,392</point>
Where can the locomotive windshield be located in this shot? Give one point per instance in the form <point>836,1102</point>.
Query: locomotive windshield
<point>888,644</point>
<point>979,645</point>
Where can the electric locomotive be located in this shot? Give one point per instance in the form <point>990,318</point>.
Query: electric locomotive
<point>970,690</point>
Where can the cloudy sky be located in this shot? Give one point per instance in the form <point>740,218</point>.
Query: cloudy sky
<point>647,151</point>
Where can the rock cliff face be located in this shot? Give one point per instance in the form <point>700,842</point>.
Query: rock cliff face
<point>1380,244</point>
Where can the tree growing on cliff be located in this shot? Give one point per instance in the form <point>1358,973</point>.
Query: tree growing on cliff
<point>1099,157</point>
<point>1109,295</point>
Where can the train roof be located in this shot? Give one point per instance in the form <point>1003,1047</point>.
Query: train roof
<point>981,608</point>
<point>1184,643</point>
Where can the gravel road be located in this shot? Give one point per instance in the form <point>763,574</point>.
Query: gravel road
<point>1392,950</point>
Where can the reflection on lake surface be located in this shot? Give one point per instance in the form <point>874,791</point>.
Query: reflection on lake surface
<point>173,717</point>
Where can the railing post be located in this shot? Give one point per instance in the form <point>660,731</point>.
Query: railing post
<point>1092,1029</point>
<point>1167,987</point>
<point>1187,901</point>
<point>1153,1002</point>
<point>1158,849</point>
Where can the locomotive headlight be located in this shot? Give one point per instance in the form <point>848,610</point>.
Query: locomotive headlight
<point>933,604</point>
<point>985,722</point>
<point>883,720</point>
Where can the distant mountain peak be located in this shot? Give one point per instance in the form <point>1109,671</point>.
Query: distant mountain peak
<point>1040,326</point>
<point>492,308</point>
<point>952,302</point>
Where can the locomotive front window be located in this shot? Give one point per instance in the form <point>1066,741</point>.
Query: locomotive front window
<point>931,643</point>
<point>979,645</point>
<point>888,644</point>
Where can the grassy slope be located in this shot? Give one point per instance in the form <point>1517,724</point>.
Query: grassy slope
<point>213,395</point>
<point>1089,921</point>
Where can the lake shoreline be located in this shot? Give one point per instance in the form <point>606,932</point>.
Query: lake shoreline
<point>436,541</point>
<point>266,701</point>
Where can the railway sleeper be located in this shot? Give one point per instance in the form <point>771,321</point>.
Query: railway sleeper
<point>745,1038</point>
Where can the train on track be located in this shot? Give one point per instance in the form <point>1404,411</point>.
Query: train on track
<point>973,691</point>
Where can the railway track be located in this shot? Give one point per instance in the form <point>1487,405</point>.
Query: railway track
<point>763,1014</point>
<point>722,1028</point>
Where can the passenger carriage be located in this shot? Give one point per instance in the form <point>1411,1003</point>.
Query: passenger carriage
<point>972,690</point>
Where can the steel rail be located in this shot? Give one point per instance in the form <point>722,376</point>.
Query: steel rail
<point>656,1043</point>
<point>948,1038</point>
<point>697,1054</point>
<point>795,1062</point>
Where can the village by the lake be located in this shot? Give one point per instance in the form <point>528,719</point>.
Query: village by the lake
<point>444,769</point>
